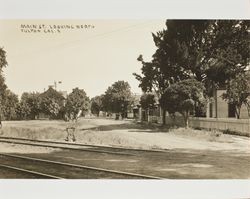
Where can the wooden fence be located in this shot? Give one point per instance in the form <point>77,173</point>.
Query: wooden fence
<point>231,124</point>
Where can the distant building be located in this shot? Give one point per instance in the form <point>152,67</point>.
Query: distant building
<point>219,108</point>
<point>133,111</point>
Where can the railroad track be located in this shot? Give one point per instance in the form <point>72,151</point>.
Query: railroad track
<point>5,138</point>
<point>33,173</point>
<point>62,145</point>
<point>54,168</point>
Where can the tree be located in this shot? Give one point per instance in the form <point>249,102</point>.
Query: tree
<point>31,103</point>
<point>238,92</point>
<point>97,104</point>
<point>211,51</point>
<point>51,107</point>
<point>147,101</point>
<point>117,98</point>
<point>181,97</point>
<point>152,78</point>
<point>10,103</point>
<point>76,102</point>
<point>3,87</point>
<point>23,111</point>
<point>51,103</point>
<point>3,61</point>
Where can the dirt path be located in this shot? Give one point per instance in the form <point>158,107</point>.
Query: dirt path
<point>129,134</point>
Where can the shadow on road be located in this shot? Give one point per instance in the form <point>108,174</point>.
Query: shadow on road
<point>131,127</point>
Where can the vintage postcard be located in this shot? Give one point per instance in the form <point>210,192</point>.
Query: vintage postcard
<point>140,99</point>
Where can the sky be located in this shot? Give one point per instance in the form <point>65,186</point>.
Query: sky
<point>91,58</point>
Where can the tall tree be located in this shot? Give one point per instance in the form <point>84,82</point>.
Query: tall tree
<point>76,102</point>
<point>211,51</point>
<point>117,98</point>
<point>10,103</point>
<point>147,101</point>
<point>23,111</point>
<point>51,102</point>
<point>205,49</point>
<point>154,79</point>
<point>3,87</point>
<point>32,103</point>
<point>97,104</point>
<point>208,50</point>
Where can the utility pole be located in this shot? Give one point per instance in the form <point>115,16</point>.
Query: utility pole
<point>55,84</point>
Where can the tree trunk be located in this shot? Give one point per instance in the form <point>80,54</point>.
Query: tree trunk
<point>248,108</point>
<point>186,117</point>
<point>238,112</point>
<point>163,116</point>
<point>186,123</point>
<point>147,114</point>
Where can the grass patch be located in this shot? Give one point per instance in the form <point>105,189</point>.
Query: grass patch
<point>228,131</point>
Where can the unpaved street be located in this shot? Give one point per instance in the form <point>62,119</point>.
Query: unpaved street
<point>188,154</point>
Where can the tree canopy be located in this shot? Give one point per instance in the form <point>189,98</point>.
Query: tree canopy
<point>97,104</point>
<point>30,105</point>
<point>76,102</point>
<point>147,101</point>
<point>3,87</point>
<point>117,98</point>
<point>211,51</point>
<point>182,96</point>
<point>51,102</point>
<point>10,103</point>
<point>238,92</point>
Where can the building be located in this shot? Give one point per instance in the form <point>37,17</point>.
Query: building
<point>219,108</point>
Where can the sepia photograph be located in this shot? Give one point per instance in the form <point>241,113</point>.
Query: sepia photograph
<point>125,99</point>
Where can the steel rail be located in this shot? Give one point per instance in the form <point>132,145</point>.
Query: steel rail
<point>89,145</point>
<point>62,147</point>
<point>82,166</point>
<point>30,172</point>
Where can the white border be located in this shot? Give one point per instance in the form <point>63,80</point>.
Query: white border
<point>126,9</point>
<point>106,9</point>
<point>125,189</point>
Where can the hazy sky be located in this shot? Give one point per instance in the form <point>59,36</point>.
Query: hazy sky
<point>90,58</point>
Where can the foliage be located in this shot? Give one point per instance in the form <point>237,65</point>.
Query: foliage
<point>51,102</point>
<point>3,61</point>
<point>51,107</point>
<point>147,101</point>
<point>3,87</point>
<point>9,105</point>
<point>30,102</point>
<point>76,102</point>
<point>238,92</point>
<point>211,51</point>
<point>182,96</point>
<point>97,104</point>
<point>152,78</point>
<point>23,111</point>
<point>117,98</point>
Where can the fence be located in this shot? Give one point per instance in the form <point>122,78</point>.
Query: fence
<point>232,124</point>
